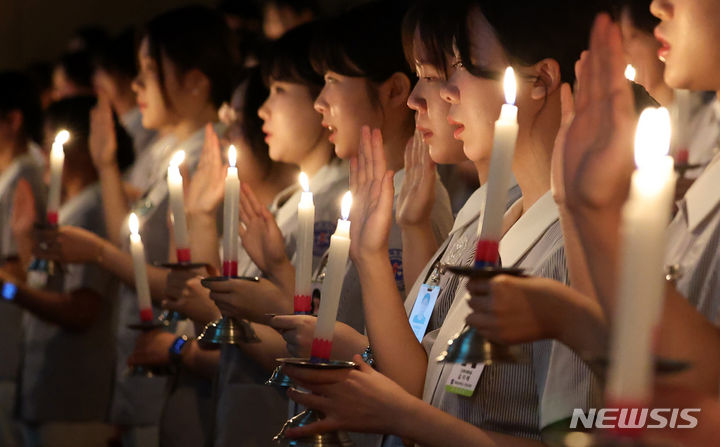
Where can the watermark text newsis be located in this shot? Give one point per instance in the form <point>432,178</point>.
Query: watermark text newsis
<point>634,418</point>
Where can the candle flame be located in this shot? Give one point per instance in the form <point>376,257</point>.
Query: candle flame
<point>232,156</point>
<point>630,73</point>
<point>62,137</point>
<point>304,182</point>
<point>652,137</point>
<point>177,159</point>
<point>346,205</point>
<point>133,223</point>
<point>510,86</point>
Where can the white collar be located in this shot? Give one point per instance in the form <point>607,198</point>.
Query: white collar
<point>471,211</point>
<point>11,172</point>
<point>703,196</point>
<point>329,174</point>
<point>524,233</point>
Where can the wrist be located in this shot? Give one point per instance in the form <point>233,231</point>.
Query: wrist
<point>106,167</point>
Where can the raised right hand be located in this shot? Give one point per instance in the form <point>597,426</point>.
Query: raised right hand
<point>372,188</point>
<point>103,141</point>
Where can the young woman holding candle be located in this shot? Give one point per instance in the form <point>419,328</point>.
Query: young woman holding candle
<point>691,233</point>
<point>68,327</point>
<point>541,70</point>
<point>186,71</point>
<point>20,127</point>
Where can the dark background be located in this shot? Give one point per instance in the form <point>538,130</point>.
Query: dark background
<point>38,30</point>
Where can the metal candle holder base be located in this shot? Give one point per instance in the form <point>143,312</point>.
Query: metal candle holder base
<point>332,439</point>
<point>471,347</point>
<point>279,379</point>
<point>307,417</point>
<point>145,370</point>
<point>468,346</point>
<point>227,330</point>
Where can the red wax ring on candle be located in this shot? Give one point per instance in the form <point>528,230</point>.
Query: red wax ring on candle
<point>183,255</point>
<point>146,315</point>
<point>320,351</point>
<point>303,304</point>
<point>630,416</point>
<point>230,268</point>
<point>52,217</point>
<point>487,252</point>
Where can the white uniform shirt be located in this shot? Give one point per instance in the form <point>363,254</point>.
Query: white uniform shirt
<point>517,399</point>
<point>66,375</point>
<point>25,167</point>
<point>694,243</point>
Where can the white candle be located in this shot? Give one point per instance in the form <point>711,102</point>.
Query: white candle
<point>57,159</point>
<point>332,284</point>
<point>142,286</point>
<point>305,238</point>
<point>640,294</point>
<point>177,207</point>
<point>506,131</point>
<point>230,216</point>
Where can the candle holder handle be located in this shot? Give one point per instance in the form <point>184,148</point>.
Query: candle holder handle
<point>336,438</point>
<point>468,346</point>
<point>227,330</point>
<point>146,371</point>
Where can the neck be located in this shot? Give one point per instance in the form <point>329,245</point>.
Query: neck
<point>266,189</point>
<point>482,168</point>
<point>10,153</point>
<point>75,184</point>
<point>188,126</point>
<point>531,163</point>
<point>318,156</point>
<point>394,146</point>
<point>663,94</point>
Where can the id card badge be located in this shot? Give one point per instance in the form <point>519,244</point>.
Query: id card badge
<point>464,378</point>
<point>423,308</point>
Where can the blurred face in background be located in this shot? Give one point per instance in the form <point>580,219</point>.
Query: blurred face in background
<point>292,128</point>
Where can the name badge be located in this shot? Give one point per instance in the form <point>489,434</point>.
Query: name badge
<point>423,308</point>
<point>464,378</point>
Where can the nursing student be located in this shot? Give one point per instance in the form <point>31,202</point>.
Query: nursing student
<point>67,354</point>
<point>514,402</point>
<point>21,126</point>
<point>367,85</point>
<point>179,88</point>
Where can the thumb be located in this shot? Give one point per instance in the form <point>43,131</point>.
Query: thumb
<point>362,366</point>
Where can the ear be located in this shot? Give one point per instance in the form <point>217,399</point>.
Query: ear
<point>548,79</point>
<point>395,90</point>
<point>196,82</point>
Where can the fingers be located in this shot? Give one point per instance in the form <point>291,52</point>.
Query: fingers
<point>379,163</point>
<point>286,322</point>
<point>567,105</point>
<point>354,175</point>
<point>315,379</point>
<point>251,199</point>
<point>387,193</point>
<point>478,286</point>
